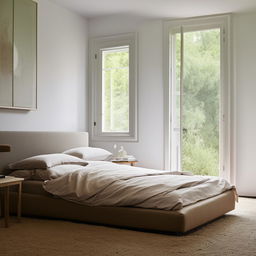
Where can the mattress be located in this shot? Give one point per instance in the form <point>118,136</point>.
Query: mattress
<point>32,187</point>
<point>39,203</point>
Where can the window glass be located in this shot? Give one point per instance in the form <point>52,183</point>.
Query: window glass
<point>115,89</point>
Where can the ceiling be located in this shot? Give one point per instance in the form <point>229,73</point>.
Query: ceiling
<point>157,8</point>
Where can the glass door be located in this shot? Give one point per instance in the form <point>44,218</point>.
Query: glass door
<point>196,130</point>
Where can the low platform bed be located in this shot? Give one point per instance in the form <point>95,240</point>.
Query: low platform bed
<point>148,219</point>
<point>42,204</point>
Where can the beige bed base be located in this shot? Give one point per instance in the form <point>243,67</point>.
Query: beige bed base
<point>180,221</point>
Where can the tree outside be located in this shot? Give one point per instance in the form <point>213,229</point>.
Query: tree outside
<point>115,94</point>
<point>201,100</point>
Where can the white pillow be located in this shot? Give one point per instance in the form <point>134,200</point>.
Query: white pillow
<point>45,161</point>
<point>37,174</point>
<point>25,174</point>
<point>89,153</point>
<point>57,171</point>
<point>43,174</point>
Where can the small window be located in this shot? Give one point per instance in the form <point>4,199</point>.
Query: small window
<point>115,89</point>
<point>113,84</point>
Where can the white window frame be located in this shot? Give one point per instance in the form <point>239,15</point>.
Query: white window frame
<point>224,22</point>
<point>95,67</point>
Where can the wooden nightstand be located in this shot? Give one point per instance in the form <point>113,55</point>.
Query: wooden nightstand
<point>6,183</point>
<point>131,163</point>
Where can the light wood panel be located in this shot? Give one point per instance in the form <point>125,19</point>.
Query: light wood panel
<point>24,64</point>
<point>18,54</point>
<point>6,55</point>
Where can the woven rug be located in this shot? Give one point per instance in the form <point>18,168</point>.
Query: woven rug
<point>233,234</point>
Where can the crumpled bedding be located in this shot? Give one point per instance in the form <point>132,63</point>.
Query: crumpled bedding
<point>102,183</point>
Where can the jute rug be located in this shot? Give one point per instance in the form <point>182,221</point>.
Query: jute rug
<point>234,234</point>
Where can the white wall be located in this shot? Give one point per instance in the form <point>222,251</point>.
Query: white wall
<point>245,62</point>
<point>149,149</point>
<point>62,63</point>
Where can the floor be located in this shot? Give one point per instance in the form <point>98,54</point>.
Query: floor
<point>233,234</point>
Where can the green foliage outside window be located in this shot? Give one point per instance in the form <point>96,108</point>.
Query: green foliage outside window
<point>200,145</point>
<point>116,91</point>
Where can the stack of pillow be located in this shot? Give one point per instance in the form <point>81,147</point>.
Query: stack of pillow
<point>48,166</point>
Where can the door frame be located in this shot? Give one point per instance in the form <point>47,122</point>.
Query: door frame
<point>227,169</point>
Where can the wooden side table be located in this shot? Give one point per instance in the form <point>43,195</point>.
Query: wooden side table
<point>6,183</point>
<point>131,163</point>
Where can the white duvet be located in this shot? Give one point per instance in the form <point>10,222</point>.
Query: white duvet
<point>108,184</point>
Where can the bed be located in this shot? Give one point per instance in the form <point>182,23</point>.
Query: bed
<point>37,202</point>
